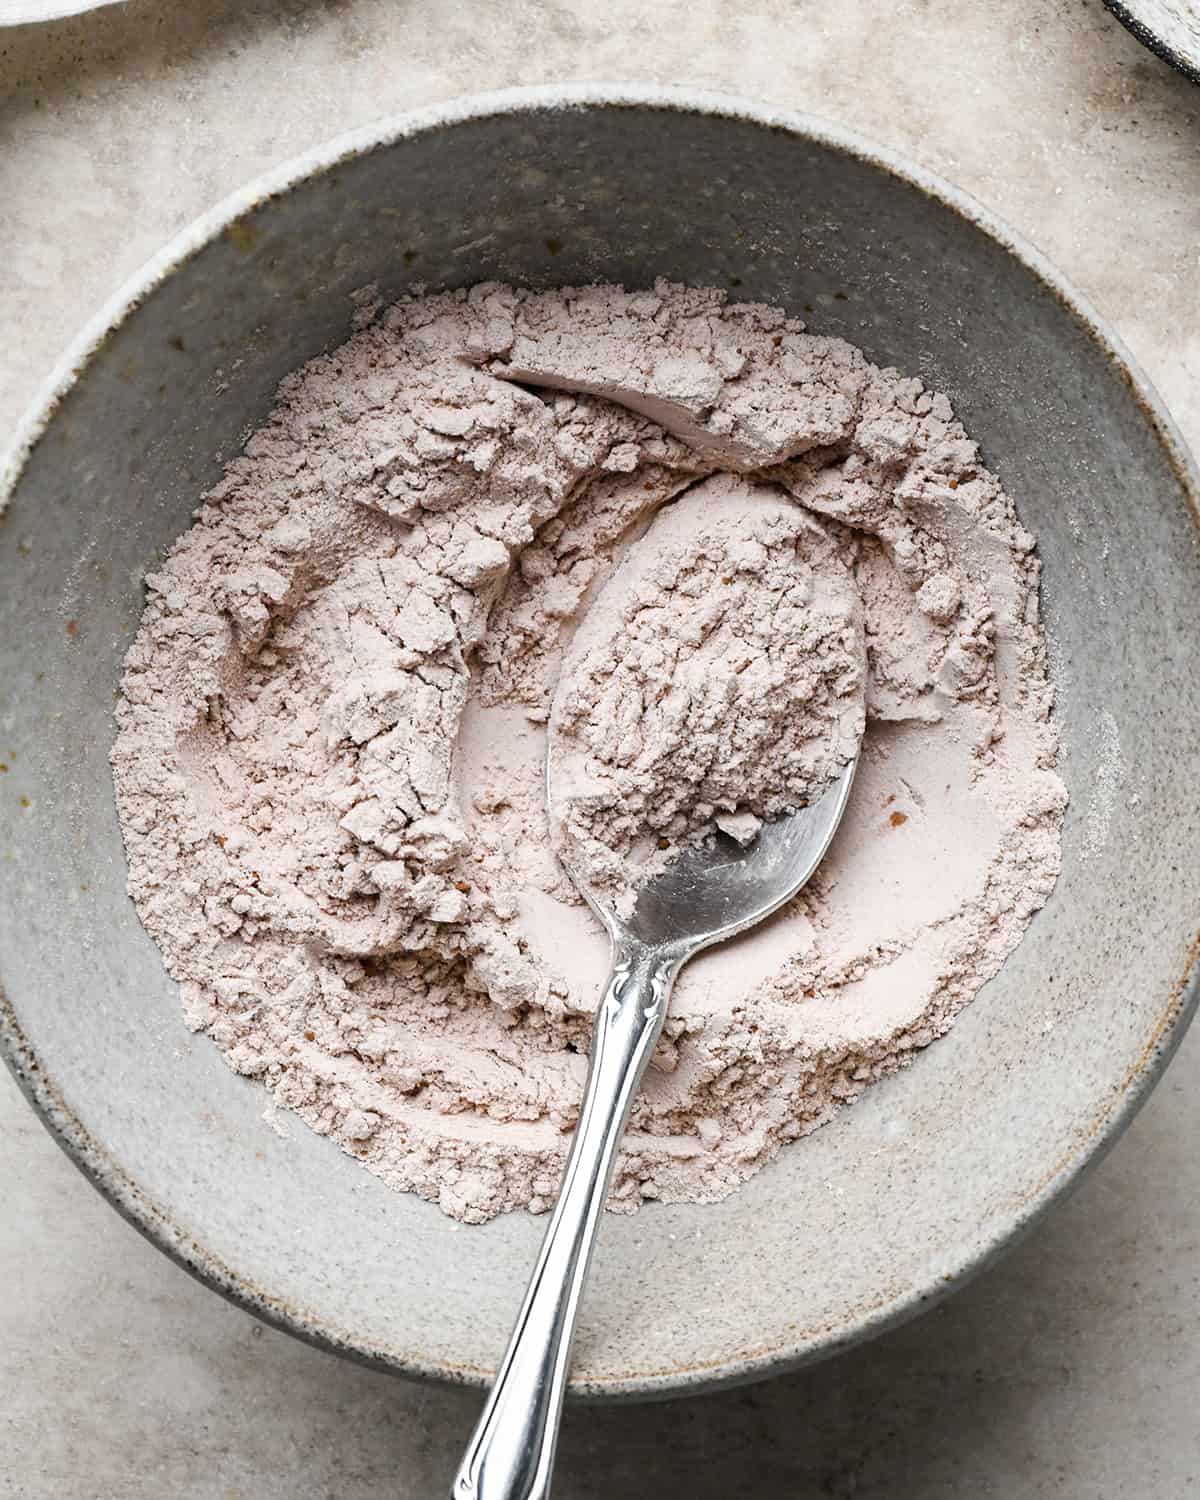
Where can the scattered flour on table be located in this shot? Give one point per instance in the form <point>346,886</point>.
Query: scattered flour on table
<point>332,731</point>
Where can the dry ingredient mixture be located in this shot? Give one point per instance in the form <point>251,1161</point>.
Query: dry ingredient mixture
<point>332,731</point>
<point>717,679</point>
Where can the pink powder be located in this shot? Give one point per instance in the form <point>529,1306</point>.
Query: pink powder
<point>717,680</point>
<point>331,745</point>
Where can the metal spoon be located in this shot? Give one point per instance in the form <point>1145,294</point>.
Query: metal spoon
<point>705,895</point>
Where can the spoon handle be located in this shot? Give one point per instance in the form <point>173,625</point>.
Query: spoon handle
<point>511,1455</point>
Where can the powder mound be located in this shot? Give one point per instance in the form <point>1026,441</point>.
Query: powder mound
<point>332,730</point>
<point>721,671</point>
<point>741,384</point>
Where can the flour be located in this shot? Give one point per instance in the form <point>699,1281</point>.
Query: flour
<point>717,681</point>
<point>332,732</point>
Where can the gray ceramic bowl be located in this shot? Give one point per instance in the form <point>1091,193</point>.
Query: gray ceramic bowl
<point>932,1173</point>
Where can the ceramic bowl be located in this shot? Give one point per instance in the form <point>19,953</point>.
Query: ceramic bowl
<point>22,12</point>
<point>932,1173</point>
<point>1169,27</point>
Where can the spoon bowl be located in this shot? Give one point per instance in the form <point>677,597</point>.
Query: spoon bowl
<point>713,890</point>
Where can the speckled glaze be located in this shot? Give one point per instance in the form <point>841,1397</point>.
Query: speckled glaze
<point>931,1174</point>
<point>1171,28</point>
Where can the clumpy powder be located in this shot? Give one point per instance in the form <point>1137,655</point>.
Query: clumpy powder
<point>332,732</point>
<point>718,679</point>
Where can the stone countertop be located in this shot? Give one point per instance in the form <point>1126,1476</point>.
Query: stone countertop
<point>1068,1370</point>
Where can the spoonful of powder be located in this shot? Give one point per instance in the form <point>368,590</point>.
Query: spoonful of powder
<point>718,680</point>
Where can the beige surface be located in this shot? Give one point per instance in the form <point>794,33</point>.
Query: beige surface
<point>1070,1370</point>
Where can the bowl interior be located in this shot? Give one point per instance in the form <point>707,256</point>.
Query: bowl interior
<point>931,1171</point>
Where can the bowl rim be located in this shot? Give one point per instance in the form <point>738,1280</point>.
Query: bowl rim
<point>976,1251</point>
<point>1136,24</point>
